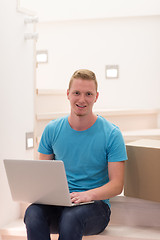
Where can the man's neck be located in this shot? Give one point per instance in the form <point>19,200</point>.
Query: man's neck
<point>81,123</point>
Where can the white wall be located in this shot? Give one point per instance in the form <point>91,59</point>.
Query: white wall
<point>130,42</point>
<point>16,98</point>
<point>52,10</point>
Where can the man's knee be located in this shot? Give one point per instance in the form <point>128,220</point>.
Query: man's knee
<point>32,214</point>
<point>36,224</point>
<point>70,226</point>
<point>71,221</point>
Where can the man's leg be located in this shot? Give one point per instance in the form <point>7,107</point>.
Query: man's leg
<point>89,219</point>
<point>38,219</point>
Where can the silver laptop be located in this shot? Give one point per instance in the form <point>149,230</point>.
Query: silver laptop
<point>38,181</point>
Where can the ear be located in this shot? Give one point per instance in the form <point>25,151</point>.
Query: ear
<point>97,95</point>
<point>68,93</point>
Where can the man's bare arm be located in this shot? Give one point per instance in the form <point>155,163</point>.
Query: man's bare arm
<point>111,189</point>
<point>45,156</point>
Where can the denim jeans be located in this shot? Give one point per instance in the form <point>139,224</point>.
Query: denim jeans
<point>72,223</point>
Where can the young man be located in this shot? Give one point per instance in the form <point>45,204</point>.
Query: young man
<point>93,152</point>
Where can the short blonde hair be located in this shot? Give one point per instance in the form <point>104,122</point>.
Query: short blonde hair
<point>84,74</point>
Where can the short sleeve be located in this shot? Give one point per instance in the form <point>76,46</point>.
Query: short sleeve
<point>116,148</point>
<point>45,145</point>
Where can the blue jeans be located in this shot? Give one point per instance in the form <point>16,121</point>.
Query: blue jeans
<point>72,223</point>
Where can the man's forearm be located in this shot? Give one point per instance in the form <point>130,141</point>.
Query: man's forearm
<point>109,190</point>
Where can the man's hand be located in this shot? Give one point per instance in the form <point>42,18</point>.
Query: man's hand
<point>79,197</point>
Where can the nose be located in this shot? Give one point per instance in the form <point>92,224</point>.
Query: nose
<point>82,98</point>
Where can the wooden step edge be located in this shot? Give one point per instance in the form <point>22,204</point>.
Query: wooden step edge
<point>102,112</point>
<point>50,116</point>
<point>136,202</point>
<point>15,228</point>
<point>16,231</point>
<point>55,92</point>
<point>142,132</point>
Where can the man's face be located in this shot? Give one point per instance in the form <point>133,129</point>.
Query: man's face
<point>82,96</point>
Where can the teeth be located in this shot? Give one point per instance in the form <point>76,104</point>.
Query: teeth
<point>80,106</point>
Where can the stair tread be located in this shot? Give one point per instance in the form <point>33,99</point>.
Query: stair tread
<point>134,232</point>
<point>17,228</point>
<point>143,132</point>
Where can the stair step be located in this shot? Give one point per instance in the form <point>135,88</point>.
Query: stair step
<point>134,212</point>
<point>131,219</point>
<point>129,211</point>
<point>126,232</point>
<point>16,231</point>
<point>130,136</point>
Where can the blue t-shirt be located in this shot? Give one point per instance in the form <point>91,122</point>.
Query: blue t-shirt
<point>85,153</point>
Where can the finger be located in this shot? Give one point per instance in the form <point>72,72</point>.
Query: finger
<point>73,194</point>
<point>75,199</point>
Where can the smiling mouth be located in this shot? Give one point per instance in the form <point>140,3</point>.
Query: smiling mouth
<point>80,106</point>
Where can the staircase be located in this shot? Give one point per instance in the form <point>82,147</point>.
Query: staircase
<point>132,219</point>
<point>134,123</point>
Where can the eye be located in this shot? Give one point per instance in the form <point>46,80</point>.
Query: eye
<point>89,94</point>
<point>76,93</point>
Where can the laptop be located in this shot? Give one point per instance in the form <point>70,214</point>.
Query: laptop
<point>38,181</point>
